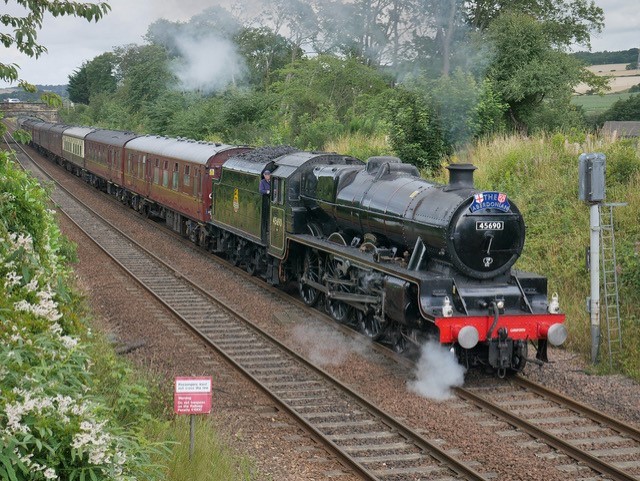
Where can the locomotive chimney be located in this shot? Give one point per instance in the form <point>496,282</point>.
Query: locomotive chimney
<point>460,176</point>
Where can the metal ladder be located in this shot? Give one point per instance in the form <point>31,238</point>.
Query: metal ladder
<point>611,304</point>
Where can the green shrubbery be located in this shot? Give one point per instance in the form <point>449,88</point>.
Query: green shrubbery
<point>55,424</point>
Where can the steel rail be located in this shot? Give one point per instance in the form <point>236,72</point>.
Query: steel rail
<point>593,462</point>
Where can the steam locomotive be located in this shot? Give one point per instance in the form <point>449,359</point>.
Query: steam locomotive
<point>379,248</point>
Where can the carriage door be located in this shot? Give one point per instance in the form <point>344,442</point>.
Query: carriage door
<point>276,216</point>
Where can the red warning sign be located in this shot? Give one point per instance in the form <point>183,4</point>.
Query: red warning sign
<point>192,395</point>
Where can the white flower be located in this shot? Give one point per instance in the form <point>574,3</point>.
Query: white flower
<point>49,473</point>
<point>13,279</point>
<point>22,240</point>
<point>69,342</point>
<point>32,286</point>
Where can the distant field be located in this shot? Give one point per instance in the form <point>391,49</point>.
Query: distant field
<point>620,79</point>
<point>596,104</point>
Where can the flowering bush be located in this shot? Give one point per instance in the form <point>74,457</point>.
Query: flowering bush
<point>53,422</point>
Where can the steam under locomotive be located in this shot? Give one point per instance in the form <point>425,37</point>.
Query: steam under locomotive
<point>379,248</point>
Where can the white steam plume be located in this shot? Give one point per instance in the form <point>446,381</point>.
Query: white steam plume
<point>326,346</point>
<point>437,372</point>
<point>207,64</point>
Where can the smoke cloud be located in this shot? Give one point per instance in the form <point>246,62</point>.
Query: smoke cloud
<point>326,346</point>
<point>207,64</point>
<point>437,372</point>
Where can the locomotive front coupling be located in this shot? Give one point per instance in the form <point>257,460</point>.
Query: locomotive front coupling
<point>500,339</point>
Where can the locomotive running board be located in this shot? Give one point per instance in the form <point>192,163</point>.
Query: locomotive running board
<point>361,259</point>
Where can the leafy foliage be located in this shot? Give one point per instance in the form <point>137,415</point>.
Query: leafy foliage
<point>528,73</point>
<point>55,424</point>
<point>144,72</point>
<point>628,109</point>
<point>565,22</point>
<point>93,77</point>
<point>415,132</point>
<point>265,52</point>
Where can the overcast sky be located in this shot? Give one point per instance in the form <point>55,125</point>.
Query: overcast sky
<point>71,41</point>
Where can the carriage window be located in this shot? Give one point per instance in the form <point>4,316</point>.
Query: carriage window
<point>174,180</point>
<point>196,183</point>
<point>165,173</point>
<point>156,173</point>
<point>140,167</point>
<point>129,164</point>
<point>186,179</point>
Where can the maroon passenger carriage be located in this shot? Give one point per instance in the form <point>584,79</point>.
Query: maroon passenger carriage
<point>171,179</point>
<point>166,178</point>
<point>104,150</point>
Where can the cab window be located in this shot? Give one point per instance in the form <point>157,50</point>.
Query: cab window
<point>277,190</point>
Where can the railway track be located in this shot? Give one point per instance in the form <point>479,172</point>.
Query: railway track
<point>599,442</point>
<point>585,443</point>
<point>368,440</point>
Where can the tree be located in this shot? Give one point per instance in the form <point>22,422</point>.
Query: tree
<point>265,52</point>
<point>446,28</point>
<point>566,22</point>
<point>377,32</point>
<point>414,130</point>
<point>295,17</point>
<point>93,77</point>
<point>309,86</point>
<point>216,22</point>
<point>530,72</point>
<point>144,74</point>
<point>78,86</point>
<point>25,28</point>
<point>627,109</point>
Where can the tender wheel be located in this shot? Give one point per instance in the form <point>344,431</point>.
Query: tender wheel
<point>310,271</point>
<point>251,265</point>
<point>369,325</point>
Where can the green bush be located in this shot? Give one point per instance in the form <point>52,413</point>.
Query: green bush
<point>414,131</point>
<point>623,161</point>
<point>54,424</point>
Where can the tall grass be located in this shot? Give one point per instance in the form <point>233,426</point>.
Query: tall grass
<point>212,460</point>
<point>360,146</point>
